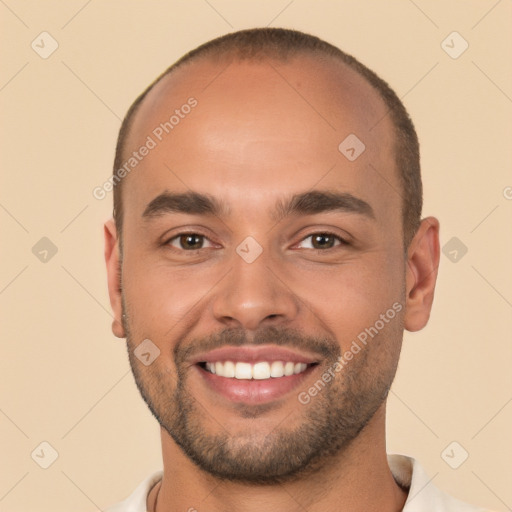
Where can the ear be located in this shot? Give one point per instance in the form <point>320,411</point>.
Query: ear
<point>421,276</point>
<point>114,276</point>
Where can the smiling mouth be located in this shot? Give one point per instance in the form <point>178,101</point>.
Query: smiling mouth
<point>260,370</point>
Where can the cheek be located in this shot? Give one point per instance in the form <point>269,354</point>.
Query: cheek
<point>161,299</point>
<point>350,298</point>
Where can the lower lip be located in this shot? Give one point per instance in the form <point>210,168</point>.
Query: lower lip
<point>254,391</point>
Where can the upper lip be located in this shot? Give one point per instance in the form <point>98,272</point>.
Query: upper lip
<point>253,354</point>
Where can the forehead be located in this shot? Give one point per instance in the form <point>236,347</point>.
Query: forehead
<point>258,128</point>
<point>321,91</point>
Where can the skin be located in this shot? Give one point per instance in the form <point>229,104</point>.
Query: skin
<point>260,133</point>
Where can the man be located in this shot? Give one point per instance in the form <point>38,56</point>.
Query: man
<point>265,256</point>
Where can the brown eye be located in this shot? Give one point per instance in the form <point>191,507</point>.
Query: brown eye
<point>188,241</point>
<point>322,241</point>
<point>191,241</point>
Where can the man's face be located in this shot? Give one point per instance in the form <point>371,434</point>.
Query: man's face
<point>194,284</point>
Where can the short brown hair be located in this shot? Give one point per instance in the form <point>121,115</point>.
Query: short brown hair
<point>282,44</point>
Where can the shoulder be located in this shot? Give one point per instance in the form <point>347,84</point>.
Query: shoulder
<point>424,495</point>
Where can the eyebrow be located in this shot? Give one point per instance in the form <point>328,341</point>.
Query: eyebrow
<point>192,203</point>
<point>306,203</point>
<point>317,201</point>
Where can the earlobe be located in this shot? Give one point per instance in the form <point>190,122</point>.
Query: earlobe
<point>112,260</point>
<point>421,274</point>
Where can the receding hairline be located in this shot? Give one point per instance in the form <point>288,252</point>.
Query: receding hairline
<point>224,59</point>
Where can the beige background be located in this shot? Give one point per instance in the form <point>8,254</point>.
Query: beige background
<point>65,379</point>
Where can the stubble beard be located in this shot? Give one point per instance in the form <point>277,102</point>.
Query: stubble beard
<point>326,426</point>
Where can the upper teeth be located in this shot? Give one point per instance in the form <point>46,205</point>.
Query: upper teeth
<point>260,370</point>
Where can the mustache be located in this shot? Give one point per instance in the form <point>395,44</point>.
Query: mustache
<point>323,346</point>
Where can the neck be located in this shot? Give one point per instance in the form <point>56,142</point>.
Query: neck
<point>357,480</point>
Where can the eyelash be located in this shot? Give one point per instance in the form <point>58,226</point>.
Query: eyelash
<point>342,241</point>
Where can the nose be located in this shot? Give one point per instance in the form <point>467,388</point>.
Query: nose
<point>255,294</point>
